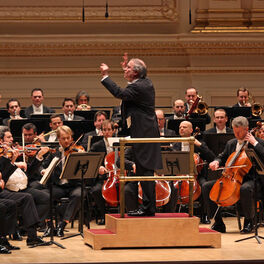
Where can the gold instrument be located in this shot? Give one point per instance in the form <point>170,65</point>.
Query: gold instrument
<point>44,135</point>
<point>202,107</point>
<point>84,107</point>
<point>256,109</point>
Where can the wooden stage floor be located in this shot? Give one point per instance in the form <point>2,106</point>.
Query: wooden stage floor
<point>76,251</point>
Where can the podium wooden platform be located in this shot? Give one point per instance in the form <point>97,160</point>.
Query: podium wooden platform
<point>161,230</point>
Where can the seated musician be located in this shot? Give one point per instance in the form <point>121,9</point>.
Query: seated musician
<point>55,122</point>
<point>185,130</point>
<point>107,128</point>
<point>242,136</point>
<point>63,187</point>
<point>191,95</point>
<point>260,132</point>
<point>82,101</point>
<point>8,219</point>
<point>220,120</point>
<point>99,117</point>
<point>13,108</point>
<point>178,110</point>
<point>37,107</point>
<point>242,98</point>
<point>17,174</point>
<point>164,132</point>
<point>68,109</point>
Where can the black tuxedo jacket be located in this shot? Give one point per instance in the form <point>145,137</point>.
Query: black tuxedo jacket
<point>169,133</point>
<point>29,110</point>
<point>138,103</point>
<point>75,117</point>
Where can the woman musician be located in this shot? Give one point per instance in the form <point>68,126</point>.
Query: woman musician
<point>242,139</point>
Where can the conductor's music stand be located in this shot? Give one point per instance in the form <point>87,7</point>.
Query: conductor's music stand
<point>81,165</point>
<point>258,167</point>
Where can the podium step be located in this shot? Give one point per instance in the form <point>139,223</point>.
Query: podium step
<point>161,230</point>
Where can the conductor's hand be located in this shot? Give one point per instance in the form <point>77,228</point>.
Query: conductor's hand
<point>214,165</point>
<point>125,61</point>
<point>104,69</point>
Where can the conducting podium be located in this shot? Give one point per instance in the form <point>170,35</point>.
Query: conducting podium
<point>81,165</point>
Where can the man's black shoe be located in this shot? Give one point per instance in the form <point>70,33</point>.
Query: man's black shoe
<point>47,232</point>
<point>248,226</point>
<point>36,241</point>
<point>16,236</point>
<point>4,250</point>
<point>219,227</point>
<point>205,220</point>
<point>140,212</point>
<point>101,221</point>
<point>4,242</point>
<point>60,228</point>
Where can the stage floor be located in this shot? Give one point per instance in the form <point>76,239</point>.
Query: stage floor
<point>77,252</point>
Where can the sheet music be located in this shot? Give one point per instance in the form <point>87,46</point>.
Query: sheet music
<point>49,170</point>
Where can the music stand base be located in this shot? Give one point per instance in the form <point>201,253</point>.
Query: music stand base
<point>51,242</point>
<point>255,236</point>
<point>73,235</point>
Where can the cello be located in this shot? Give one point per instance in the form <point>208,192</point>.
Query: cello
<point>226,190</point>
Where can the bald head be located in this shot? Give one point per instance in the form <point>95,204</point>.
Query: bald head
<point>185,129</point>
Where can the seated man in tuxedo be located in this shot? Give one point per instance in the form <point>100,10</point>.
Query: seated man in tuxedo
<point>68,109</point>
<point>242,139</point>
<point>13,108</point>
<point>164,132</point>
<point>178,110</point>
<point>37,106</point>
<point>242,98</point>
<point>99,117</point>
<point>205,153</point>
<point>55,122</point>
<point>63,187</point>
<point>220,120</point>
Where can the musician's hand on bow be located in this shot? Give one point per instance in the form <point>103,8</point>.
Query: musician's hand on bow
<point>15,154</point>
<point>250,138</point>
<point>214,165</point>
<point>125,61</point>
<point>102,170</point>
<point>104,69</point>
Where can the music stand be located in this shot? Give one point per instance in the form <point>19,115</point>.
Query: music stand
<point>81,165</point>
<point>258,168</point>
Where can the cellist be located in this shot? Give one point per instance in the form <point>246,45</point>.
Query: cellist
<point>242,137</point>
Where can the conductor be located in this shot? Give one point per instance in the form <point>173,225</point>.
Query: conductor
<point>138,112</point>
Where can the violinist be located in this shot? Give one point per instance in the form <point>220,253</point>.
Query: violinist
<point>243,138</point>
<point>200,147</point>
<point>13,108</point>
<point>63,187</point>
<point>102,146</point>
<point>191,95</point>
<point>17,175</point>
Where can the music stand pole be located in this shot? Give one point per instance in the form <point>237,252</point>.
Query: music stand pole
<point>256,236</point>
<point>83,168</point>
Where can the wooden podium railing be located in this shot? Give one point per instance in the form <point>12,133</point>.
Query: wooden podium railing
<point>124,179</point>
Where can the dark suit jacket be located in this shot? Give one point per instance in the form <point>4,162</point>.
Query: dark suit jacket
<point>29,110</point>
<point>75,117</point>
<point>213,130</point>
<point>138,103</point>
<point>231,147</point>
<point>169,133</point>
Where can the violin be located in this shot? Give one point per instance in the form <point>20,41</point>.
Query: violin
<point>226,190</point>
<point>73,148</point>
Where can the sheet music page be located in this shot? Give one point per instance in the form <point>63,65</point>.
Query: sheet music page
<point>49,170</point>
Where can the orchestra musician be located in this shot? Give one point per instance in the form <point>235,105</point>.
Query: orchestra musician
<point>260,132</point>
<point>63,187</point>
<point>68,109</point>
<point>191,95</point>
<point>200,147</point>
<point>220,120</point>
<point>99,117</point>
<point>102,145</point>
<point>37,107</point>
<point>138,111</point>
<point>13,108</point>
<point>19,178</point>
<point>178,110</point>
<point>82,101</point>
<point>242,136</point>
<point>242,98</point>
<point>55,122</point>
